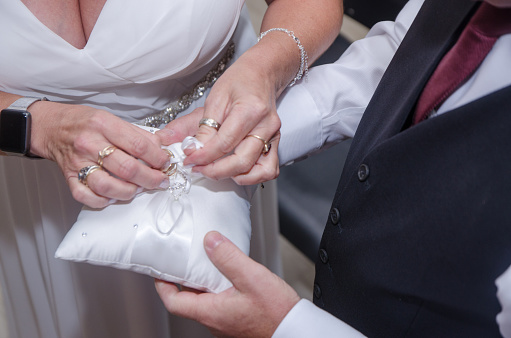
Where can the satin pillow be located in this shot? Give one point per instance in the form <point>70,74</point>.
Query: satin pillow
<point>160,233</point>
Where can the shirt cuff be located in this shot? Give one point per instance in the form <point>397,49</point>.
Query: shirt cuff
<point>307,320</point>
<point>301,128</point>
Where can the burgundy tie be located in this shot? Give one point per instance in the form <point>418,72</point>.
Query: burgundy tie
<point>475,42</point>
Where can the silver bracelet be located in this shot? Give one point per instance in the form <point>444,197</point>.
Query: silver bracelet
<point>304,58</point>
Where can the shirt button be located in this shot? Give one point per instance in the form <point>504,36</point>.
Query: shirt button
<point>363,172</point>
<point>323,256</point>
<point>334,216</point>
<point>317,291</point>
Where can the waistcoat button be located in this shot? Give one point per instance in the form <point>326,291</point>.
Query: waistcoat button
<point>323,256</point>
<point>363,172</point>
<point>317,291</point>
<point>334,216</point>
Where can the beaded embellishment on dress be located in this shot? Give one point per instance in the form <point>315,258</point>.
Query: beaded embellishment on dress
<point>173,109</point>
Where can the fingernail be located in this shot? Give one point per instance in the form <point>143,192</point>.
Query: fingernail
<point>139,190</point>
<point>212,240</point>
<point>167,165</point>
<point>164,184</point>
<point>112,201</point>
<point>191,146</point>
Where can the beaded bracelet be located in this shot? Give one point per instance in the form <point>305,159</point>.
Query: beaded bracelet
<point>304,58</point>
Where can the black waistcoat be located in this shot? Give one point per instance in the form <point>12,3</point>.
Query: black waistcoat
<point>420,226</point>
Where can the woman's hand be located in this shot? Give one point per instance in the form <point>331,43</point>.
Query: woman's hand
<point>242,101</point>
<point>73,136</point>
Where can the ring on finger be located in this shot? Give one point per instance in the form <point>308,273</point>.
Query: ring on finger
<point>104,153</point>
<point>85,172</point>
<point>210,123</point>
<point>172,167</point>
<point>267,145</point>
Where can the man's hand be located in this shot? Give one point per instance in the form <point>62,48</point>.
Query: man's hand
<point>253,307</point>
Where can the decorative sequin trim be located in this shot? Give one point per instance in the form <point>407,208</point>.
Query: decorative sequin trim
<point>173,109</point>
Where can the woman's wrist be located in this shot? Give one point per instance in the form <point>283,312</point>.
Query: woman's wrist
<point>303,70</point>
<point>277,58</point>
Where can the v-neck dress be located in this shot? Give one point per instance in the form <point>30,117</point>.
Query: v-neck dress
<point>141,56</point>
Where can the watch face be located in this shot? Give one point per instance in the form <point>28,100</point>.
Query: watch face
<point>15,131</point>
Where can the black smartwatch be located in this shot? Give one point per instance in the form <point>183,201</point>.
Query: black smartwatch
<point>15,127</point>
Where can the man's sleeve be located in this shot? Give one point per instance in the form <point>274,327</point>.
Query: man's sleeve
<point>306,320</point>
<point>504,296</point>
<point>327,108</point>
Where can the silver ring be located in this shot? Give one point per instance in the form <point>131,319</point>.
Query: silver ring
<point>85,172</point>
<point>104,153</point>
<point>266,147</point>
<point>210,123</point>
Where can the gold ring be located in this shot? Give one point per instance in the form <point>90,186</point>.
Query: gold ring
<point>104,153</point>
<point>267,146</point>
<point>172,167</point>
<point>210,123</point>
<point>85,172</point>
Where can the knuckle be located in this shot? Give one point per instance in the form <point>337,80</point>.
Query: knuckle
<point>81,143</point>
<point>270,173</point>
<point>259,108</point>
<point>275,122</point>
<point>245,164</point>
<point>139,146</point>
<point>101,186</point>
<point>127,169</point>
<point>98,119</point>
<point>79,195</point>
<point>227,143</point>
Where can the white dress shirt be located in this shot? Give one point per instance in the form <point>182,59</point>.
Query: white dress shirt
<point>327,109</point>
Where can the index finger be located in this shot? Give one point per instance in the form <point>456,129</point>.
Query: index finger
<point>137,142</point>
<point>240,121</point>
<point>186,304</point>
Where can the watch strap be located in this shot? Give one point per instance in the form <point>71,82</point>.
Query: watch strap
<point>22,105</point>
<point>24,102</point>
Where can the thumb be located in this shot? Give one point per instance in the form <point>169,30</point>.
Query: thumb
<point>230,260</point>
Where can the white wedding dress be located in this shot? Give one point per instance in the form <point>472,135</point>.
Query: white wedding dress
<point>141,56</point>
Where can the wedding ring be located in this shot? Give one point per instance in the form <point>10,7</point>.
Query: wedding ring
<point>104,153</point>
<point>210,123</point>
<point>85,172</point>
<point>172,167</point>
<point>267,146</point>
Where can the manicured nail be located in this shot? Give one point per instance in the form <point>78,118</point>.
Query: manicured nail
<point>197,169</point>
<point>212,240</point>
<point>164,184</point>
<point>166,166</point>
<point>191,146</point>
